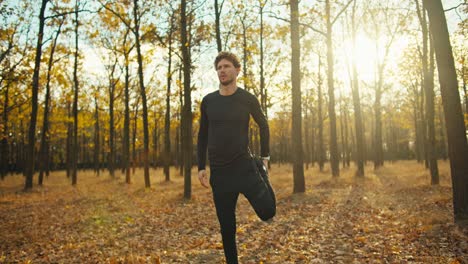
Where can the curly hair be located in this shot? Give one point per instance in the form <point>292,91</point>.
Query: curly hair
<point>227,56</point>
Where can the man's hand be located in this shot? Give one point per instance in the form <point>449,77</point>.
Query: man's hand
<point>203,178</point>
<point>265,163</point>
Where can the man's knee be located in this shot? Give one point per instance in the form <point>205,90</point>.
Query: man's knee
<point>267,213</point>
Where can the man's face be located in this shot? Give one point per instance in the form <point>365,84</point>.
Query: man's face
<point>227,73</point>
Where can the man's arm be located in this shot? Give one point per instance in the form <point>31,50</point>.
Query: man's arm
<point>202,137</point>
<point>202,145</point>
<point>262,123</point>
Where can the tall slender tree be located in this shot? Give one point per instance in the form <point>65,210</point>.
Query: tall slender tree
<point>44,145</point>
<point>97,139</point>
<point>187,107</point>
<point>298,160</point>
<point>35,91</point>
<point>360,147</point>
<point>456,134</point>
<point>218,9</point>
<point>136,32</point>
<point>127,49</point>
<point>76,86</point>
<point>321,146</point>
<point>167,117</point>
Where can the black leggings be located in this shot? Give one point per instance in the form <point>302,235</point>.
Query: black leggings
<point>261,198</point>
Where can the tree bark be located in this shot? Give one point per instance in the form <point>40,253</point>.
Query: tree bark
<point>4,151</point>
<point>112,86</point>
<point>360,143</point>
<point>97,137</point>
<point>378,144</point>
<point>167,118</point>
<point>442,132</point>
<point>187,109</point>
<point>298,163</point>
<point>430,110</point>
<point>218,26</point>
<point>321,147</point>
<point>34,106</point>
<point>334,155</point>
<point>457,143</point>
<point>126,136</point>
<point>75,148</point>
<point>44,147</point>
<point>142,94</point>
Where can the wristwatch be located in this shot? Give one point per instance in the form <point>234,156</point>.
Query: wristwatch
<point>265,158</point>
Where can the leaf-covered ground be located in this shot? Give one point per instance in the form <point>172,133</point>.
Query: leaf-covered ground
<point>393,215</point>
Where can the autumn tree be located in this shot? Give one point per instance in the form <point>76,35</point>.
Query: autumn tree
<point>296,132</point>
<point>358,125</point>
<point>113,37</point>
<point>45,134</point>
<point>218,7</point>
<point>328,34</point>
<point>457,142</point>
<point>187,141</point>
<point>13,72</point>
<point>34,98</point>
<point>386,25</point>
<point>166,35</point>
<point>428,86</point>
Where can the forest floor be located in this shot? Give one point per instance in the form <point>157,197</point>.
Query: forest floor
<point>393,215</point>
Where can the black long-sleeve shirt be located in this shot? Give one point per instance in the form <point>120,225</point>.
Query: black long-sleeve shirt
<point>224,128</point>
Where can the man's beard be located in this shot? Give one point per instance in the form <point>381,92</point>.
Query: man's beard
<point>227,82</point>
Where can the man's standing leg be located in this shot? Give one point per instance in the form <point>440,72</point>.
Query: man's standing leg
<point>225,204</point>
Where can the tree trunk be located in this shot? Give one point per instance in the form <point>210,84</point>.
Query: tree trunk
<point>143,95</point>
<point>430,110</point>
<point>263,97</point>
<point>181,126</point>
<point>321,148</point>
<point>69,141</point>
<point>126,136</point>
<point>378,144</point>
<point>296,133</point>
<point>218,26</point>
<point>155,141</point>
<point>334,155</point>
<point>443,136</point>
<point>423,124</point>
<point>187,109</point>
<point>343,147</point>
<point>4,145</point>
<point>135,127</point>
<point>457,143</point>
<point>428,84</point>
<point>97,146</point>
<point>417,139</point>
<point>43,150</point>
<point>75,148</point>
<point>360,143</point>
<point>112,86</point>
<point>34,106</point>
<point>306,133</point>
<point>167,119</point>
<point>313,155</point>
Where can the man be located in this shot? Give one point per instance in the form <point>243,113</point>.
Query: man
<point>224,126</point>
